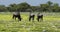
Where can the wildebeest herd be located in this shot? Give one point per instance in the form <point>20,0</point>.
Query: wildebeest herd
<point>31,16</point>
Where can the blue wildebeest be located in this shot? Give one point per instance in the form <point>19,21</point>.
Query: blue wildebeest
<point>31,16</point>
<point>39,16</point>
<point>16,15</point>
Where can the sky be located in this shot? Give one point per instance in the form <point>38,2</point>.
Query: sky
<point>31,2</point>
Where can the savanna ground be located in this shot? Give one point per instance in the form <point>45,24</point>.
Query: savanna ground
<point>50,23</point>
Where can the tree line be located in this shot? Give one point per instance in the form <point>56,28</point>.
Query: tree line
<point>25,7</point>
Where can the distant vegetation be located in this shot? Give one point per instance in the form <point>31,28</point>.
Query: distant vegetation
<point>25,7</point>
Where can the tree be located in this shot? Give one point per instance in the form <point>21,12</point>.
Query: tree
<point>55,7</point>
<point>44,7</point>
<point>3,8</point>
<point>12,7</point>
<point>23,6</point>
<point>49,3</point>
<point>50,6</point>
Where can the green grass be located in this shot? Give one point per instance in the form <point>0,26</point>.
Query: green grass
<point>50,23</point>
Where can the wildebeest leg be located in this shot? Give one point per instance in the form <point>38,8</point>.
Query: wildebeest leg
<point>38,19</point>
<point>19,17</point>
<point>33,17</point>
<point>14,17</point>
<point>30,18</point>
<point>42,18</point>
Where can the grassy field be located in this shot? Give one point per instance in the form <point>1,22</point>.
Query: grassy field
<point>50,23</point>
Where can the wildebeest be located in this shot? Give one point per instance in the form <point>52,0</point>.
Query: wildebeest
<point>17,15</point>
<point>39,16</point>
<point>31,16</point>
